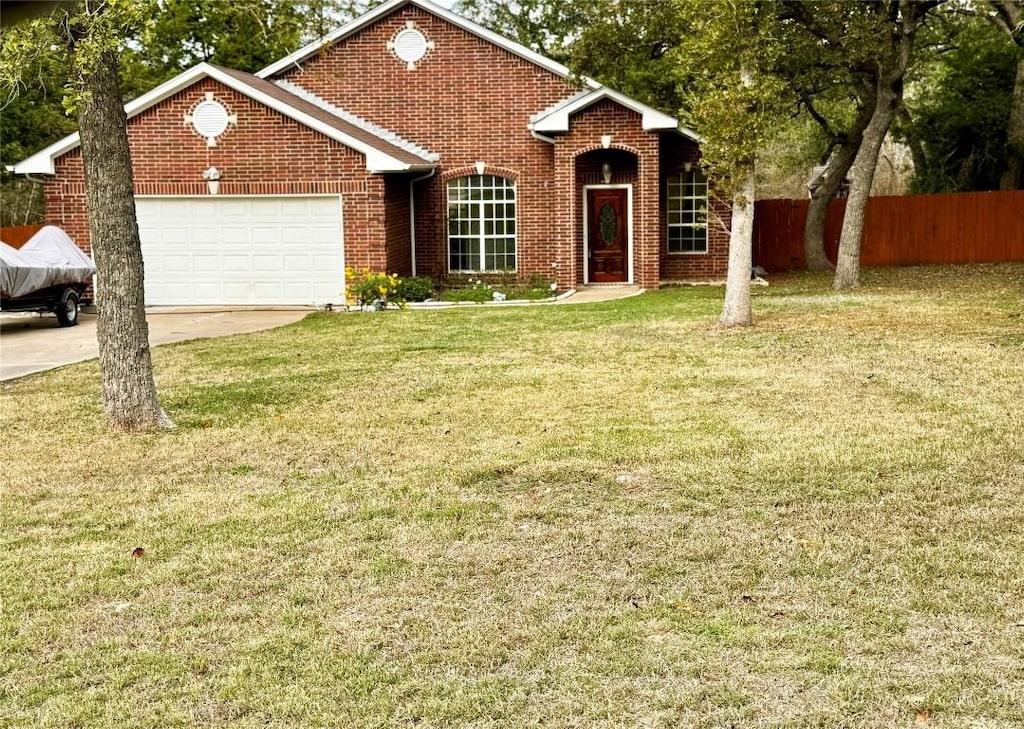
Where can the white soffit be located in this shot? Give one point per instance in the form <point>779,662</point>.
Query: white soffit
<point>41,163</point>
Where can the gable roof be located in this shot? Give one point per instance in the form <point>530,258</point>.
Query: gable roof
<point>556,118</point>
<point>553,119</point>
<point>385,8</point>
<point>384,151</point>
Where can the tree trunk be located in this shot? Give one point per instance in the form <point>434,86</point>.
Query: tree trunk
<point>736,311</point>
<point>817,210</point>
<point>1013,177</point>
<point>129,393</point>
<point>862,175</point>
<point>838,167</point>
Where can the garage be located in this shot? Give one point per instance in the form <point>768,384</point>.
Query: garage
<point>242,251</point>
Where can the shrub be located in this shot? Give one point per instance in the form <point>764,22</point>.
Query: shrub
<point>416,288</point>
<point>366,288</point>
<point>478,292</point>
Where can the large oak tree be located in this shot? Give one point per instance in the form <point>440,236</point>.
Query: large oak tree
<point>91,34</point>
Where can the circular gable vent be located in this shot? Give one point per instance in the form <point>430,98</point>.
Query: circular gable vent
<point>210,119</point>
<point>410,45</point>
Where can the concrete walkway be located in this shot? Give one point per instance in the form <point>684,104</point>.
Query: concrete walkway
<point>594,294</point>
<point>32,343</point>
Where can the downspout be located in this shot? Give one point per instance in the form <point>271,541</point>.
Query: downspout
<point>42,186</point>
<point>412,216</point>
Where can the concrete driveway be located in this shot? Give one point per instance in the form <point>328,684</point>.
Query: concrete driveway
<point>32,343</point>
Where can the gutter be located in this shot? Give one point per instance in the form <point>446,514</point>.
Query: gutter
<point>541,137</point>
<point>412,215</point>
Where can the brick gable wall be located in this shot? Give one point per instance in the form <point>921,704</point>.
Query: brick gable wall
<point>468,101</point>
<point>266,153</point>
<point>578,162</point>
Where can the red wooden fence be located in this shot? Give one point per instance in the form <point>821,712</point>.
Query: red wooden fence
<point>16,236</point>
<point>966,227</point>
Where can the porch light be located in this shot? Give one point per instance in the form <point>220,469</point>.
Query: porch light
<point>606,172</point>
<point>212,177</point>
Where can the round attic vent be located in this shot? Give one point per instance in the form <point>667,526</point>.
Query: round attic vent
<point>410,45</point>
<point>210,119</point>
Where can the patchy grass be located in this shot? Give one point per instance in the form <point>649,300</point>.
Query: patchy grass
<point>566,516</point>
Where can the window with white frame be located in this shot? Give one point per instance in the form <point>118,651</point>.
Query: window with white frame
<point>481,224</point>
<point>688,212</point>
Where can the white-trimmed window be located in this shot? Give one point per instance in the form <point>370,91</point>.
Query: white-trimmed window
<point>481,224</point>
<point>688,212</point>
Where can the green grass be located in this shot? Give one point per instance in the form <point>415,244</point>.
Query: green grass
<point>565,516</point>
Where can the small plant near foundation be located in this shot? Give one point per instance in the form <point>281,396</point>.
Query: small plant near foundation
<point>375,291</point>
<point>497,287</point>
<point>416,288</point>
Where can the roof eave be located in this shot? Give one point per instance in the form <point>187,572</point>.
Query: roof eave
<point>651,120</point>
<point>42,162</point>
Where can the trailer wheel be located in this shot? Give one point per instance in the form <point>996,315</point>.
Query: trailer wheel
<point>67,308</point>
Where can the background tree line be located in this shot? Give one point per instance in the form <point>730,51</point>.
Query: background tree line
<point>244,34</point>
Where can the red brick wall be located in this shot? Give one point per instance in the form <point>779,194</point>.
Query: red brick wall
<point>467,101</point>
<point>266,153</point>
<point>397,228</point>
<point>710,266</point>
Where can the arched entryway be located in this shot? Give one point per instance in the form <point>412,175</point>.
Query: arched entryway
<point>605,180</point>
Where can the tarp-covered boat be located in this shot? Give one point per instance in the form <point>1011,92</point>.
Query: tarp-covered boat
<point>48,273</point>
<point>49,258</point>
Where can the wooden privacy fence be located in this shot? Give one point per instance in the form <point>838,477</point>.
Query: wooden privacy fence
<point>17,235</point>
<point>965,227</point>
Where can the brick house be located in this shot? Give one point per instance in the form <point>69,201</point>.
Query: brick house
<point>410,140</point>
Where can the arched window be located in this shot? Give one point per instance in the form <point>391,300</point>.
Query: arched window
<point>481,224</point>
<point>688,212</point>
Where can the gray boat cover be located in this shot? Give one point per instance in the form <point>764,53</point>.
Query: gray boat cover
<point>49,258</point>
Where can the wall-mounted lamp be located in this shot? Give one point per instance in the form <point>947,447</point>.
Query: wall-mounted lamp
<point>212,177</point>
<point>687,166</point>
<point>606,172</point>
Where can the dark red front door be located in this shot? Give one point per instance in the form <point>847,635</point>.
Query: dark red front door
<point>607,235</point>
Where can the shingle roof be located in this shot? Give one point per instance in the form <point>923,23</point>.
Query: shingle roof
<point>344,121</point>
<point>350,118</point>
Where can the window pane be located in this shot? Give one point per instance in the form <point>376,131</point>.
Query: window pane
<point>687,206</point>
<point>481,217</point>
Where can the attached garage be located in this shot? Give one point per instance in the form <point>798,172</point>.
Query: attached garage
<point>242,250</point>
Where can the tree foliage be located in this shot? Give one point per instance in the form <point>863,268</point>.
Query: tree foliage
<point>958,111</point>
<point>548,27</point>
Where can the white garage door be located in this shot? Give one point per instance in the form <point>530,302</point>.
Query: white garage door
<point>242,250</point>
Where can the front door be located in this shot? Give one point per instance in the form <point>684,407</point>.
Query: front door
<point>607,235</point>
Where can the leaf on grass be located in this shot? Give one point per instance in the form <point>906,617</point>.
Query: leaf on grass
<point>924,716</point>
<point>138,552</point>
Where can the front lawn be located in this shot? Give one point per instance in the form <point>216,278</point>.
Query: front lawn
<point>605,515</point>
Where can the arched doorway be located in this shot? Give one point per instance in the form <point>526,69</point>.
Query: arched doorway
<point>606,178</point>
